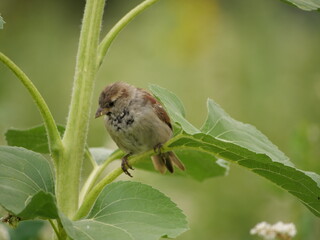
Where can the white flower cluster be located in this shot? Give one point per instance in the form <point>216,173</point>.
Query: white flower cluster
<point>281,230</point>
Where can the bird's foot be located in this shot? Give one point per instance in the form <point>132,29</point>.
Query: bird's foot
<point>125,165</point>
<point>158,148</point>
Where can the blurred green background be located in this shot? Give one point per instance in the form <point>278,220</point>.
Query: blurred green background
<point>259,59</point>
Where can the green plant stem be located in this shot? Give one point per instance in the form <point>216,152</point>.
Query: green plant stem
<point>88,155</point>
<point>55,229</point>
<point>55,143</point>
<point>94,193</point>
<point>96,174</point>
<point>106,42</point>
<point>74,140</point>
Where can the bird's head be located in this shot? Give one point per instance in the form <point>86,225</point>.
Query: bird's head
<point>115,95</point>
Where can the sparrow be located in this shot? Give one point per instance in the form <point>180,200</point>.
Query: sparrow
<point>137,122</point>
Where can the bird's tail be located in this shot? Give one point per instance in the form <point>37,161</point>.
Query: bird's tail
<point>166,160</point>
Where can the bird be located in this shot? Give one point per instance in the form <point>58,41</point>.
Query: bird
<point>137,122</point>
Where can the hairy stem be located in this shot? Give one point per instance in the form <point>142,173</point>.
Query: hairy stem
<point>55,143</point>
<point>74,140</point>
<point>106,42</point>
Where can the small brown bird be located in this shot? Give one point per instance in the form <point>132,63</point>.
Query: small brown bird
<point>137,122</point>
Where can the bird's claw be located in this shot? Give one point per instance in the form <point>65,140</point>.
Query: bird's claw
<point>125,165</point>
<point>157,148</point>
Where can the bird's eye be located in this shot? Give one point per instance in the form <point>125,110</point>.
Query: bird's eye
<point>110,104</point>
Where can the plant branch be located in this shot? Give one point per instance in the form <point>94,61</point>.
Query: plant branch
<point>106,42</point>
<point>55,143</point>
<point>94,193</point>
<point>74,140</point>
<point>55,229</point>
<point>96,174</point>
<point>88,155</point>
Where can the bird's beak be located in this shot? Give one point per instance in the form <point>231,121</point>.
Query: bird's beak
<point>101,111</point>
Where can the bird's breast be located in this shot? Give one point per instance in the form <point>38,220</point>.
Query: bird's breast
<point>137,131</point>
<point>119,121</point>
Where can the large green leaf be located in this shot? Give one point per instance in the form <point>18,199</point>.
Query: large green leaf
<point>128,210</point>
<point>228,139</point>
<point>26,184</point>
<point>34,139</point>
<point>307,5</point>
<point>221,126</point>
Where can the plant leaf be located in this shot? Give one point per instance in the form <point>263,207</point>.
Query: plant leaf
<point>174,108</point>
<point>100,154</point>
<point>27,230</point>
<point>34,139</point>
<point>128,210</point>
<point>26,184</point>
<point>221,126</point>
<point>305,5</point>
<point>228,139</point>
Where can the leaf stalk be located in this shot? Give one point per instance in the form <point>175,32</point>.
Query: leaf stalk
<point>54,139</point>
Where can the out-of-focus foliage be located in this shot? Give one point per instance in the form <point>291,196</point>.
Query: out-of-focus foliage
<point>256,58</point>
<point>1,22</point>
